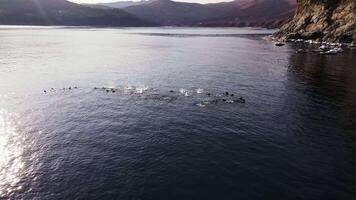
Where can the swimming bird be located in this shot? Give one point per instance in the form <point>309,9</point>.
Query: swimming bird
<point>201,104</point>
<point>279,44</point>
<point>182,90</point>
<point>230,101</point>
<point>300,51</point>
<point>199,91</point>
<point>242,100</point>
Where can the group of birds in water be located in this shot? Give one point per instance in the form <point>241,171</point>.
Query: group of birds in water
<point>205,97</point>
<point>53,90</point>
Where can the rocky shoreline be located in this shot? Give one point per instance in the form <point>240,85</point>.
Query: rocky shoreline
<point>332,21</point>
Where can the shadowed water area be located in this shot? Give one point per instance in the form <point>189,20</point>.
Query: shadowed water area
<point>139,113</point>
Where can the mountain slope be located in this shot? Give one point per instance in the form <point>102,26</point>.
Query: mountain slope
<point>327,20</point>
<point>61,12</point>
<point>171,13</point>
<point>265,13</point>
<point>124,4</point>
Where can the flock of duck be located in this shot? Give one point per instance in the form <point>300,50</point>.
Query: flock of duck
<point>63,89</point>
<point>202,98</point>
<point>325,48</point>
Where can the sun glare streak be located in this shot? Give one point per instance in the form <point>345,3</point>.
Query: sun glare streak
<point>11,151</point>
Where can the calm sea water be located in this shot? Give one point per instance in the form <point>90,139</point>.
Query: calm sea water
<point>166,132</point>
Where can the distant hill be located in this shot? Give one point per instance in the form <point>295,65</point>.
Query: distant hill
<point>62,12</point>
<point>124,4</point>
<point>118,5</point>
<point>171,13</point>
<point>263,13</point>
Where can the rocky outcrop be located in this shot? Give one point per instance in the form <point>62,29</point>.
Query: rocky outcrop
<point>322,20</point>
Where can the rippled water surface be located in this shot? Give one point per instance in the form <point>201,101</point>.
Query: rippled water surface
<point>163,126</point>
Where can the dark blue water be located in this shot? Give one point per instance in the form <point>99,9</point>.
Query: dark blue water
<point>293,138</point>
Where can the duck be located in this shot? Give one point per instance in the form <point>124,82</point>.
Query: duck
<point>215,101</point>
<point>229,101</point>
<point>279,44</point>
<point>201,104</point>
<point>300,51</point>
<point>324,47</point>
<point>242,100</point>
<point>200,91</point>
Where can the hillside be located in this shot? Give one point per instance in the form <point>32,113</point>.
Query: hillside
<point>171,13</point>
<point>124,4</point>
<point>265,13</point>
<point>61,12</point>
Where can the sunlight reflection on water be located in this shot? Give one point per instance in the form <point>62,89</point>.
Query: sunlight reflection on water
<point>11,152</point>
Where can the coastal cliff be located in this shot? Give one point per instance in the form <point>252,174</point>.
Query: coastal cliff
<point>321,20</point>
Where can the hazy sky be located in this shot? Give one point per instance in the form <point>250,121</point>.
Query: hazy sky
<point>102,1</point>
